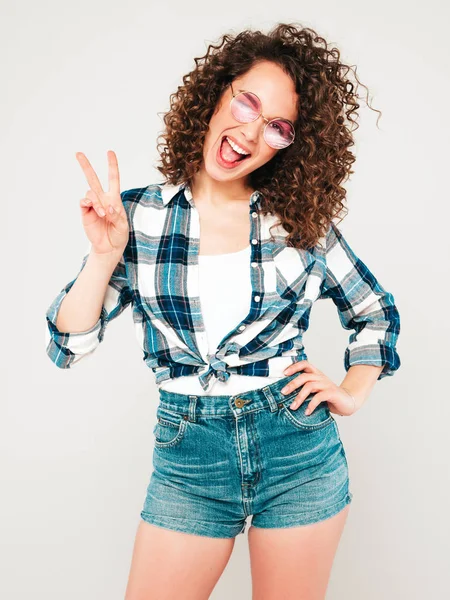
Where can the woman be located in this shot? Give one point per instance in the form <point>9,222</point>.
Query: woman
<point>222,262</point>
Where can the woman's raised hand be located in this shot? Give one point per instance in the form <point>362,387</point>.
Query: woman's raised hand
<point>107,230</point>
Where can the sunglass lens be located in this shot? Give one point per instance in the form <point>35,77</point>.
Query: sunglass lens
<point>279,133</point>
<point>245,107</point>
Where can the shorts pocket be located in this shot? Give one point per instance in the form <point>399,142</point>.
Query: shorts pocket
<point>319,418</point>
<point>170,428</point>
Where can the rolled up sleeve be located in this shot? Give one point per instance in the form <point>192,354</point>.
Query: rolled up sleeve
<point>66,349</point>
<point>363,305</point>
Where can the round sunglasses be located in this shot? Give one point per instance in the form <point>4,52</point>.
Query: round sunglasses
<point>246,107</point>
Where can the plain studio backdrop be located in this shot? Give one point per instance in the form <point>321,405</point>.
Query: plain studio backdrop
<point>76,444</point>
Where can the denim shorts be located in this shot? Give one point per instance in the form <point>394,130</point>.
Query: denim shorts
<point>219,459</point>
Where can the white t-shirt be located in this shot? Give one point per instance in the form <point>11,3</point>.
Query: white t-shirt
<point>225,293</point>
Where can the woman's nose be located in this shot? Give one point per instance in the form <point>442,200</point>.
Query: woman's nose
<point>254,130</point>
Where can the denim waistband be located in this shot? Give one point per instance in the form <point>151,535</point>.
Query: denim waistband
<point>222,405</point>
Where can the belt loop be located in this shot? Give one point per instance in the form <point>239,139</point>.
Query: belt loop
<point>192,407</point>
<point>272,402</point>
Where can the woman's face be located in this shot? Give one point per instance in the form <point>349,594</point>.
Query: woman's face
<point>277,93</point>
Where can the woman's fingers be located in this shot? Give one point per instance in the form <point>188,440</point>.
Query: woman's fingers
<point>85,203</point>
<point>91,200</point>
<point>113,174</point>
<point>94,201</point>
<point>89,173</point>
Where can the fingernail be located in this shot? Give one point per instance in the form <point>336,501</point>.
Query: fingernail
<point>111,209</point>
<point>102,212</point>
<point>284,390</point>
<point>293,406</point>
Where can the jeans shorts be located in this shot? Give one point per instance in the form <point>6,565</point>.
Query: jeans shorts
<point>220,459</point>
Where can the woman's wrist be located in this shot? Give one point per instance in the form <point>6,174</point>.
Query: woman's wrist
<point>359,382</point>
<point>352,397</point>
<point>109,259</point>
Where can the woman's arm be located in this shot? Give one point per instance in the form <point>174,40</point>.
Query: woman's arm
<point>78,316</point>
<point>365,307</point>
<point>359,381</point>
<point>81,306</point>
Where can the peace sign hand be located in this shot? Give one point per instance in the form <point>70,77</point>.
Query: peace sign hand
<point>107,230</point>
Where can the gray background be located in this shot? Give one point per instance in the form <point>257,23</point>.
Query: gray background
<point>76,444</point>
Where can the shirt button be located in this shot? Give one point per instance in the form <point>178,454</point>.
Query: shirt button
<point>242,327</point>
<point>254,264</point>
<point>257,298</point>
<point>254,215</point>
<point>254,241</point>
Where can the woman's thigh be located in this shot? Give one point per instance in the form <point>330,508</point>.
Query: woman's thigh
<point>167,565</point>
<point>294,562</point>
<point>300,501</point>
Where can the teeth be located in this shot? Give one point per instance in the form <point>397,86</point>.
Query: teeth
<point>236,147</point>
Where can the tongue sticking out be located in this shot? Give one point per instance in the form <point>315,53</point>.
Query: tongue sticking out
<point>229,154</point>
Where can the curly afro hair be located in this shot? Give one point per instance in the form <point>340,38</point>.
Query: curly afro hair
<point>301,184</point>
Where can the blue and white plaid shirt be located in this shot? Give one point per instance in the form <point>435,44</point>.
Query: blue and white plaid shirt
<point>158,276</point>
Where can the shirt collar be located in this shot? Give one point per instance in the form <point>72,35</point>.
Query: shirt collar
<point>169,191</point>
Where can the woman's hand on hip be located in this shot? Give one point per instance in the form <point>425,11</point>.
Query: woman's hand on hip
<point>312,380</point>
